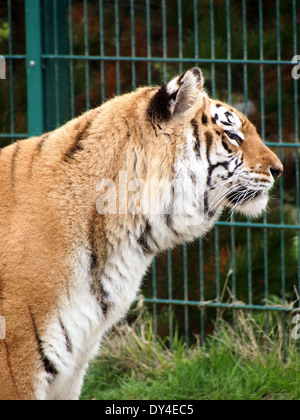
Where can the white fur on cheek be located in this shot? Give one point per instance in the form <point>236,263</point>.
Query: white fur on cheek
<point>256,207</point>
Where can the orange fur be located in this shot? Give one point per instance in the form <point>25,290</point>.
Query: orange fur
<point>48,188</point>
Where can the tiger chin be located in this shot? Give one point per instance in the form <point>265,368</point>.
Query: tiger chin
<point>70,268</point>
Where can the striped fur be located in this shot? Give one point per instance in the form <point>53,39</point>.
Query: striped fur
<point>68,272</point>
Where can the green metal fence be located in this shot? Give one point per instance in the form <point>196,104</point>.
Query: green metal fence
<point>78,53</point>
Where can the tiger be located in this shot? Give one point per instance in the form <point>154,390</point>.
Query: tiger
<point>75,246</point>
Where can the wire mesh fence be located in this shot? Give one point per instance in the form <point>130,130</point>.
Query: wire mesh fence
<point>83,52</point>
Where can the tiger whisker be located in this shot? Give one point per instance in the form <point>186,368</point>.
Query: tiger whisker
<point>221,196</point>
<point>221,185</point>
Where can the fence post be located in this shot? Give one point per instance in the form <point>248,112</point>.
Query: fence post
<point>35,101</point>
<point>56,71</point>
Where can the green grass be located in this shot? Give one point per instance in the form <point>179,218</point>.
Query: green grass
<point>244,364</point>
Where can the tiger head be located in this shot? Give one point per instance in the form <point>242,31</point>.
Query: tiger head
<point>219,148</point>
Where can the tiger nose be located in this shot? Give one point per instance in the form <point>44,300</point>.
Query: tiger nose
<point>276,172</point>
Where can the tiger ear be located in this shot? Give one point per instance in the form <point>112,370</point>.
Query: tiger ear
<point>175,98</point>
<point>184,90</point>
